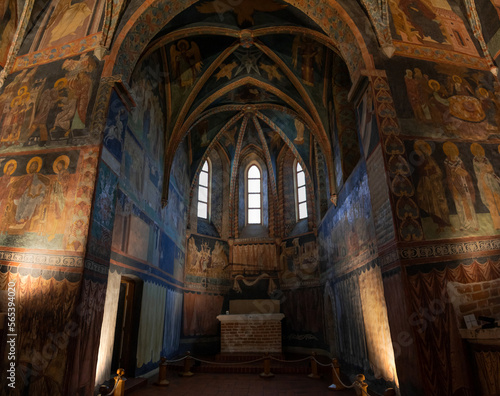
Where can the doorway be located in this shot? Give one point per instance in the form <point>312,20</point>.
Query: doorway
<point>127,326</point>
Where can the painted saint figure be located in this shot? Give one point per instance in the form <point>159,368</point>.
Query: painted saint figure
<point>488,183</point>
<point>8,169</point>
<point>29,192</point>
<point>430,192</point>
<point>417,90</point>
<point>461,187</point>
<point>438,105</point>
<point>60,185</point>
<point>310,54</point>
<point>58,194</point>
<point>186,62</point>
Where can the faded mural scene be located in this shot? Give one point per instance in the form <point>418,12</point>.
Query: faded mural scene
<point>236,178</point>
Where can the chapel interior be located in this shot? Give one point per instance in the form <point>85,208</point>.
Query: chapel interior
<point>239,177</point>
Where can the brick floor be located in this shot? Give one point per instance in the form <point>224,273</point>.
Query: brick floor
<point>215,384</point>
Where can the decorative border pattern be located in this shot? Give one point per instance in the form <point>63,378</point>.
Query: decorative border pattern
<point>448,249</point>
<point>113,10</point>
<point>403,192</point>
<point>100,111</point>
<point>348,264</point>
<point>440,55</point>
<point>389,258</point>
<point>379,16</point>
<point>41,259</point>
<point>95,267</point>
<point>477,30</point>
<point>48,55</point>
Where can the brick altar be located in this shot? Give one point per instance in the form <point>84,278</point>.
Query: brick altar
<point>251,333</point>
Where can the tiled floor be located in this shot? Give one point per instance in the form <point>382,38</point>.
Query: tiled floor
<point>207,384</point>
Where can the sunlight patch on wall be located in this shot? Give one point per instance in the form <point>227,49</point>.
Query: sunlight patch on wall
<point>108,328</point>
<point>378,335</point>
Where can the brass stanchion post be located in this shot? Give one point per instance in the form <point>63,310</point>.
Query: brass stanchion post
<point>120,383</point>
<point>314,367</point>
<point>267,367</point>
<point>162,374</point>
<point>336,384</point>
<point>187,366</point>
<point>361,386</point>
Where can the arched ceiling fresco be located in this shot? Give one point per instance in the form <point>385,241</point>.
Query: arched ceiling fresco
<point>338,21</point>
<point>221,64</point>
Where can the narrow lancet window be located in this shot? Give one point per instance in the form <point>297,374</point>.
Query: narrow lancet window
<point>254,195</point>
<point>204,192</point>
<point>300,182</point>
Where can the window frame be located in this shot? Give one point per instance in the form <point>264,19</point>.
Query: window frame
<point>296,172</point>
<point>247,193</point>
<point>209,191</point>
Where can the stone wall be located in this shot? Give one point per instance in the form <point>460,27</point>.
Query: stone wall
<point>480,299</point>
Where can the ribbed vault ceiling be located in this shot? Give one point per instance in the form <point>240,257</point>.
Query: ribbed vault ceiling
<point>256,73</point>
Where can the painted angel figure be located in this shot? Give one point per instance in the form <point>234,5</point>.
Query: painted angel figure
<point>186,62</point>
<point>310,54</point>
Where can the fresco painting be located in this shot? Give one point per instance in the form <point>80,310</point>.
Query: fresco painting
<point>68,20</point>
<point>443,101</point>
<point>116,123</point>
<point>307,57</point>
<point>133,165</point>
<point>433,24</point>
<point>367,123</point>
<point>308,60</point>
<point>441,164</point>
<point>345,118</point>
<point>148,118</point>
<point>103,215</point>
<point>8,25</point>
<point>40,110</point>
<point>38,196</point>
<point>175,215</point>
<point>152,187</point>
<point>244,10</point>
<point>186,62</point>
<point>345,239</point>
<point>207,257</point>
<point>457,188</point>
<point>298,262</point>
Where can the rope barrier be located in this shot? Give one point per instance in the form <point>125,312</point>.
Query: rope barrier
<point>322,364</point>
<point>227,363</point>
<point>344,385</point>
<point>290,361</point>
<point>359,385</point>
<point>175,361</point>
<point>112,392</point>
